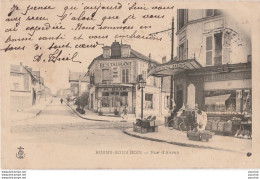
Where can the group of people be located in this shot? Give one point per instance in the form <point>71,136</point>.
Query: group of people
<point>196,119</point>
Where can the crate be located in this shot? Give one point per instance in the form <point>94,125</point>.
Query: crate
<point>209,126</point>
<point>221,126</point>
<point>144,130</point>
<point>228,127</point>
<point>205,135</point>
<point>214,126</point>
<point>156,129</point>
<point>152,123</point>
<point>193,135</point>
<point>145,124</point>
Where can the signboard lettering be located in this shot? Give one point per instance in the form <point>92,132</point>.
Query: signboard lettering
<point>114,64</point>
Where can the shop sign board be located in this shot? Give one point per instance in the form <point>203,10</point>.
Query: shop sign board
<point>112,64</point>
<point>112,89</point>
<point>228,76</point>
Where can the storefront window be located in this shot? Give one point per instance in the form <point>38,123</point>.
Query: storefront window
<point>228,101</point>
<point>124,98</point>
<point>148,101</point>
<point>105,99</point>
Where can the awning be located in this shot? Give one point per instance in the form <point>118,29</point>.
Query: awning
<point>173,68</point>
<point>220,99</point>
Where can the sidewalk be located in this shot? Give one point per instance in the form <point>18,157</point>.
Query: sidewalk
<point>223,143</point>
<point>30,112</point>
<point>89,115</point>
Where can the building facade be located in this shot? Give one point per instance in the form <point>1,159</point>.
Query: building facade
<point>114,82</point>
<point>218,42</point>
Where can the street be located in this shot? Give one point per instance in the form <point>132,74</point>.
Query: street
<point>57,127</point>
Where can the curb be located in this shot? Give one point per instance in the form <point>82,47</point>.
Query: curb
<point>179,143</point>
<point>99,120</point>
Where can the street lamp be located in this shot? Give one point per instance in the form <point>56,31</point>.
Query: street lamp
<point>142,84</point>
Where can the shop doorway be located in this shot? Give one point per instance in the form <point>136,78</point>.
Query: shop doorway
<point>179,98</point>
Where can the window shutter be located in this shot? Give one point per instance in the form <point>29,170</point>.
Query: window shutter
<point>186,50</point>
<point>226,49</point>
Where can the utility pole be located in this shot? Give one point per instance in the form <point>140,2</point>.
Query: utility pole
<point>172,56</point>
<point>171,87</point>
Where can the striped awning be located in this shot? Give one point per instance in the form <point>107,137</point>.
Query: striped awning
<point>173,68</point>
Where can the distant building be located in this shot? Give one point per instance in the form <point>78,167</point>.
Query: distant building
<point>23,95</point>
<point>79,82</point>
<point>114,80</point>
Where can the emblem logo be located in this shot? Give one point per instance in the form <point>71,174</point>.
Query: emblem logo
<point>20,154</point>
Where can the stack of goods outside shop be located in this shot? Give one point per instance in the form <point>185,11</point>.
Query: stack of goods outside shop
<point>148,124</point>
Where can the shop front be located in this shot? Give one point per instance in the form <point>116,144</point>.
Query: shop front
<point>224,92</point>
<point>114,97</point>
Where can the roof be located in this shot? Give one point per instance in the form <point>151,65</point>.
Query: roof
<point>75,76</point>
<point>133,54</point>
<point>16,69</point>
<point>172,68</point>
<point>36,73</point>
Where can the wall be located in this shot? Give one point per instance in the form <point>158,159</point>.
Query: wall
<point>196,33</point>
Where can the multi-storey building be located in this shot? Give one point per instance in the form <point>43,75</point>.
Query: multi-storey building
<point>213,64</point>
<point>114,80</point>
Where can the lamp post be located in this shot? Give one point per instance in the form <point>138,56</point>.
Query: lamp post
<point>142,84</point>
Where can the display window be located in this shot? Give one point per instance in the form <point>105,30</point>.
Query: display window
<point>228,101</point>
<point>148,101</point>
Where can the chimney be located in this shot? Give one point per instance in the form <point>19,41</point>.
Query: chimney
<point>125,50</point>
<point>115,49</point>
<point>164,59</point>
<point>106,52</point>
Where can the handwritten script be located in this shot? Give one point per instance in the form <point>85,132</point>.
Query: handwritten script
<point>63,32</point>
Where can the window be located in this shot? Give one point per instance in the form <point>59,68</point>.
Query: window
<point>182,17</point>
<point>209,50</point>
<point>228,101</point>
<point>148,101</point>
<point>106,76</point>
<point>213,12</point>
<point>214,49</point>
<point>218,49</point>
<point>124,98</point>
<point>105,99</point>
<point>125,75</point>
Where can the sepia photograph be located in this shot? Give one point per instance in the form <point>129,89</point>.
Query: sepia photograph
<point>129,85</point>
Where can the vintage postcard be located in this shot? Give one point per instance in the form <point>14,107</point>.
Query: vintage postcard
<point>129,84</point>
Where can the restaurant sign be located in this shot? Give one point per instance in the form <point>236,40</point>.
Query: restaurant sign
<point>114,64</point>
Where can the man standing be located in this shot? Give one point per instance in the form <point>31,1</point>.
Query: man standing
<point>201,120</point>
<point>61,100</point>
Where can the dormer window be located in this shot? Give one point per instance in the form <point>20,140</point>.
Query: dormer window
<point>106,52</point>
<point>125,50</point>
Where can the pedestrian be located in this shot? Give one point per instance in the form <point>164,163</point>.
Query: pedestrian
<point>125,111</point>
<point>201,120</point>
<point>61,100</point>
